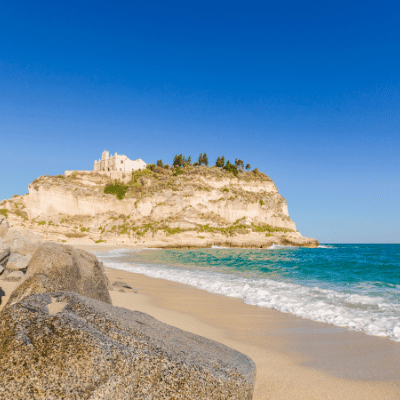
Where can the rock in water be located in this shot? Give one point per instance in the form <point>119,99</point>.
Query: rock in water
<point>56,267</point>
<point>68,346</point>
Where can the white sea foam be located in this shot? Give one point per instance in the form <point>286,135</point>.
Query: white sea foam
<point>374,315</point>
<point>219,247</point>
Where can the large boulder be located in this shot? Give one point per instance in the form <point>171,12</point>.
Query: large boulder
<point>68,346</point>
<point>4,254</point>
<point>4,226</point>
<point>56,267</point>
<point>20,244</point>
<point>17,261</point>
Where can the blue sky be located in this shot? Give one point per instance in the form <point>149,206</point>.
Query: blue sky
<point>308,92</point>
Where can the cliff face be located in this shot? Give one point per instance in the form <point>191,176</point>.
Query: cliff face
<point>166,207</point>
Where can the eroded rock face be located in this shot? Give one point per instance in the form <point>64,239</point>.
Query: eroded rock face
<point>4,226</point>
<point>64,345</point>
<point>56,267</point>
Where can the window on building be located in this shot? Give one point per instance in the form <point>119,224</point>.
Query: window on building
<point>122,161</point>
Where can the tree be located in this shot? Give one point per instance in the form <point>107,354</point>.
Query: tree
<point>189,160</point>
<point>218,163</point>
<point>248,166</point>
<point>178,161</point>
<point>150,167</point>
<point>159,163</point>
<point>239,164</point>
<point>205,159</point>
<point>200,160</point>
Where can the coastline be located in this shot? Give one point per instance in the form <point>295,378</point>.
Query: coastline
<point>295,358</point>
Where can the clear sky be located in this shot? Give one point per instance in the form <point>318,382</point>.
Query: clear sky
<point>307,91</point>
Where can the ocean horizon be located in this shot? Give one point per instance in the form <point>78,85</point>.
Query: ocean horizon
<point>356,286</point>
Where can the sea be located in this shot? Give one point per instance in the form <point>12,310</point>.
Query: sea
<point>356,286</point>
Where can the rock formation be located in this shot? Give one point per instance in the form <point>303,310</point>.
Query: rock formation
<point>16,250</point>
<point>187,207</point>
<point>56,267</point>
<point>58,344</point>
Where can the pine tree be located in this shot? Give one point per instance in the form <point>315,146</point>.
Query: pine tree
<point>200,161</point>
<point>178,161</point>
<point>248,166</point>
<point>205,159</point>
<point>159,163</point>
<point>220,162</point>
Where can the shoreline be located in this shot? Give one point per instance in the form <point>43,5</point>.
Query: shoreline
<point>295,358</point>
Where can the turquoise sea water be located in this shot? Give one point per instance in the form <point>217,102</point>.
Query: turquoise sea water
<point>357,286</point>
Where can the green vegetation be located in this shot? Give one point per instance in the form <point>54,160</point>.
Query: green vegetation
<point>117,188</point>
<point>261,203</point>
<point>231,168</point>
<point>180,160</point>
<point>100,241</point>
<point>178,171</point>
<point>84,229</point>
<point>75,235</point>
<point>203,159</point>
<point>269,228</point>
<point>173,231</point>
<point>4,212</point>
<point>220,163</point>
<point>41,223</point>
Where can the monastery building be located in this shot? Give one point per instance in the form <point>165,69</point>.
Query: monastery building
<point>117,163</point>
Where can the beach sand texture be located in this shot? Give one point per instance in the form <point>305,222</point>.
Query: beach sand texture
<point>295,358</point>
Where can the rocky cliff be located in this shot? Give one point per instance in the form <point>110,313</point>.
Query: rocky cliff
<point>181,207</point>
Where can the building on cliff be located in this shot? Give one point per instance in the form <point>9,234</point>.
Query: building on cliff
<point>117,163</point>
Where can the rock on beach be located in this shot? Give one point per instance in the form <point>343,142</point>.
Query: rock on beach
<point>65,345</point>
<point>55,267</point>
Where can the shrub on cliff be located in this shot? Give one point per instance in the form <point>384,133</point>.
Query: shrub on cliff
<point>117,188</point>
<point>151,166</point>
<point>231,168</point>
<point>178,171</point>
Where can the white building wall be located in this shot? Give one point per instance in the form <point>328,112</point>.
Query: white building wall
<point>118,163</point>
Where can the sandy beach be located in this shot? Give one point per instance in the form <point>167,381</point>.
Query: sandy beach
<point>295,358</point>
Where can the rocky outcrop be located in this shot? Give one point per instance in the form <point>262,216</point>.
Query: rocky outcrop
<point>4,226</point>
<point>16,250</point>
<point>158,208</point>
<point>22,241</point>
<point>55,267</point>
<point>64,345</point>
